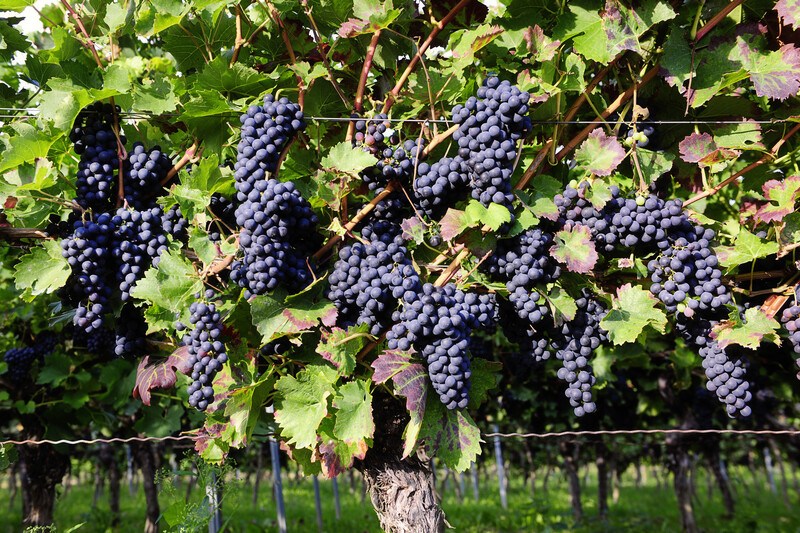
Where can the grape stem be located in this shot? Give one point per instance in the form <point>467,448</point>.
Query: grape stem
<point>13,234</point>
<point>719,17</point>
<point>88,43</point>
<point>358,105</point>
<point>438,27</point>
<point>190,155</point>
<point>766,158</point>
<point>239,41</point>
<point>438,139</point>
<point>276,17</point>
<point>362,213</point>
<point>774,303</point>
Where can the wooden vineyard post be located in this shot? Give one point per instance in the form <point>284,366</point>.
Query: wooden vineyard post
<point>214,504</point>
<point>336,503</point>
<point>274,452</point>
<point>501,471</point>
<point>317,503</point>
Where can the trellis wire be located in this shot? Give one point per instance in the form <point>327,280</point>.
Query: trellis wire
<point>145,116</point>
<point>792,432</point>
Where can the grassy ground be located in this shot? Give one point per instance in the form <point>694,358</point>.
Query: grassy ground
<point>649,508</point>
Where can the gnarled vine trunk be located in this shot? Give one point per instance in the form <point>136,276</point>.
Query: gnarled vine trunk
<point>722,480</point>
<point>569,452</point>
<point>402,490</point>
<point>44,468</point>
<point>602,480</point>
<point>147,462</point>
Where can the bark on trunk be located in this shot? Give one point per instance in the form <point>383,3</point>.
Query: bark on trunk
<point>569,453</point>
<point>147,463</point>
<point>12,481</point>
<point>114,482</point>
<point>602,481</point>
<point>402,491</point>
<point>44,469</point>
<point>683,490</point>
<point>722,482</point>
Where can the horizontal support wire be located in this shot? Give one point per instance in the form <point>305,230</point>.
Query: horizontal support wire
<point>178,438</point>
<point>30,113</point>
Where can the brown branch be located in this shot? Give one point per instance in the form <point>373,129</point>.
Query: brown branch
<point>767,157</point>
<point>239,41</point>
<point>276,17</point>
<point>439,139</point>
<point>438,27</point>
<point>362,213</point>
<point>571,112</point>
<point>452,268</point>
<point>719,17</point>
<point>89,43</point>
<point>190,155</point>
<point>362,82</point>
<point>14,234</point>
<point>325,62</point>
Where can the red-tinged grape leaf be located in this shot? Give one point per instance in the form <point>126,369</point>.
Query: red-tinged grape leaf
<point>340,346</point>
<point>789,11</point>
<point>774,74</point>
<point>782,195</point>
<point>541,47</point>
<point>750,332</point>
<point>273,318</point>
<point>413,229</point>
<point>243,409</point>
<point>701,148</point>
<point>633,309</point>
<point>453,223</point>
<point>336,456</point>
<point>600,154</point>
<point>301,403</point>
<point>410,380</point>
<point>746,248</point>
<point>486,37</point>
<point>574,247</point>
<point>353,27</point>
<point>450,435</point>
<point>745,135</point>
<point>211,444</point>
<point>160,375</point>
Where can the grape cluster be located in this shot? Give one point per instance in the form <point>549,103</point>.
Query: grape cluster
<point>686,275</point>
<point>531,338</point>
<point>224,212</point>
<point>130,334</point>
<point>207,352</point>
<point>726,378</point>
<point>94,140</point>
<point>138,242</point>
<point>20,360</point>
<point>90,285</point>
<point>790,318</point>
<point>143,174</point>
<point>266,130</point>
<point>579,338</point>
<point>394,164</point>
<point>277,236</point>
<point>437,326</point>
<point>277,223</point>
<point>440,185</point>
<point>374,134</point>
<point>489,126</point>
<point>368,280</point>
<point>643,134</point>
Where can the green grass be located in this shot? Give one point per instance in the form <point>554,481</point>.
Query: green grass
<point>648,509</point>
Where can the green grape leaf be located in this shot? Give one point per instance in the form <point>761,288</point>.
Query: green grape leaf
<point>231,80</point>
<point>274,319</point>
<point>410,380</point>
<point>27,145</point>
<point>790,232</point>
<point>340,346</point>
<point>302,402</point>
<point>750,332</point>
<point>600,154</point>
<point>574,247</point>
<point>450,435</point>
<point>243,409</point>
<point>562,304</point>
<point>493,216</point>
<point>633,309</point>
<point>485,377</point>
<point>453,224</point>
<point>15,5</point>
<point>654,164</point>
<point>353,404</point>
<point>745,135</point>
<point>746,248</point>
<point>171,286</point>
<point>155,96</point>
<point>42,271</point>
<point>781,196</point>
<point>347,159</point>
